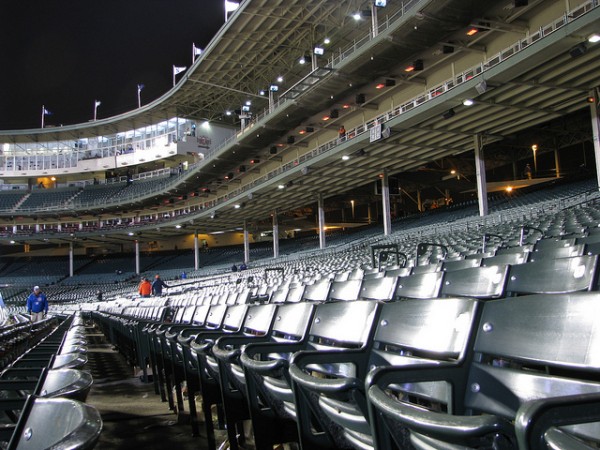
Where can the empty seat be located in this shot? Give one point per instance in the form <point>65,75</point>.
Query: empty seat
<point>478,282</point>
<point>424,285</point>
<point>527,348</point>
<point>560,275</point>
<point>382,289</point>
<point>336,326</point>
<point>345,290</point>
<point>55,423</point>
<point>409,332</point>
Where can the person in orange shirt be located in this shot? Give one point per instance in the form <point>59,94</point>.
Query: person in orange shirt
<point>145,288</point>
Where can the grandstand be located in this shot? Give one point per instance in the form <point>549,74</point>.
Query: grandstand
<point>406,283</point>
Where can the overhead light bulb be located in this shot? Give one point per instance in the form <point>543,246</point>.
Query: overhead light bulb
<point>468,102</point>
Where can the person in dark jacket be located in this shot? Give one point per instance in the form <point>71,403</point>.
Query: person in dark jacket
<point>157,285</point>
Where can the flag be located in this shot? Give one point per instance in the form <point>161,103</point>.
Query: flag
<point>231,6</point>
<point>197,51</point>
<point>46,112</point>
<point>98,103</point>
<point>140,87</point>
<point>178,69</point>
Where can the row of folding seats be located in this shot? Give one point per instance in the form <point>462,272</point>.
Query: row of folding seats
<point>299,370</point>
<point>174,350</point>
<point>46,382</point>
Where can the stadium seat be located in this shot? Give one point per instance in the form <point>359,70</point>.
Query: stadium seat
<point>527,348</point>
<point>433,331</point>
<point>335,326</point>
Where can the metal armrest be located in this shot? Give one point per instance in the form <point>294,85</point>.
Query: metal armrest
<point>229,348</point>
<point>271,365</point>
<point>458,429</point>
<point>204,341</point>
<point>536,419</point>
<point>446,427</point>
<point>302,359</point>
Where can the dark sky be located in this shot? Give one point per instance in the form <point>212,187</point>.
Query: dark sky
<point>65,54</point>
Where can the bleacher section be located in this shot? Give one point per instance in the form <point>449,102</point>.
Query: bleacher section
<point>355,346</point>
<point>47,199</point>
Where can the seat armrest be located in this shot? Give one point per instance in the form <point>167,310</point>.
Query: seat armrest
<point>300,361</point>
<point>266,367</point>
<point>323,385</point>
<point>535,418</point>
<point>229,348</point>
<point>446,427</point>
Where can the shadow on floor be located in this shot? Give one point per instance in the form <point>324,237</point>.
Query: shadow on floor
<point>134,416</point>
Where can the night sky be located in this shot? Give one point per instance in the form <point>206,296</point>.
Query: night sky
<point>66,54</point>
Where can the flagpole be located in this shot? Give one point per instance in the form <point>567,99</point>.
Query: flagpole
<point>95,109</point>
<point>173,75</point>
<point>43,111</point>
<point>139,97</point>
<point>193,53</point>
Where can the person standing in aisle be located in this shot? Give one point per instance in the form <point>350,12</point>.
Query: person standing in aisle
<point>37,304</point>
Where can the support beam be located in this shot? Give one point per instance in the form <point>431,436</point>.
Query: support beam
<point>196,251</point>
<point>137,257</point>
<point>246,243</point>
<point>595,136</point>
<point>321,214</point>
<point>385,204</point>
<point>480,174</point>
<point>71,259</point>
<point>275,235</point>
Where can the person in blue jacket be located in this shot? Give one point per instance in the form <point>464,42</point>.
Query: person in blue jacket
<point>37,304</point>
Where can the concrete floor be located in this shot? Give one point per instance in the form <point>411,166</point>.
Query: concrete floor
<point>134,416</point>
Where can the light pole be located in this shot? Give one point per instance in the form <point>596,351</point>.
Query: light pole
<point>96,104</point>
<point>534,149</point>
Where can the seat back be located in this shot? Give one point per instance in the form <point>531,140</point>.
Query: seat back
<point>292,321</point>
<point>279,295</point>
<point>557,252</point>
<point>342,324</point>
<point>295,293</point>
<point>179,314</point>
<point>215,316</point>
<point>200,314</point>
<point>553,243</point>
<point>478,282</point>
<point>188,314</point>
<point>382,289</point>
<point>532,347</point>
<point>259,319</point>
<point>345,290</point>
<point>548,276</point>
<point>506,258</point>
<point>423,285</point>
<point>234,317</point>
<point>317,292</point>
<point>449,266</point>
<point>399,272</point>
<point>434,267</point>
<point>420,330</point>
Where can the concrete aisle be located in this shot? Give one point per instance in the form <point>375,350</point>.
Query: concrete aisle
<point>134,416</point>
